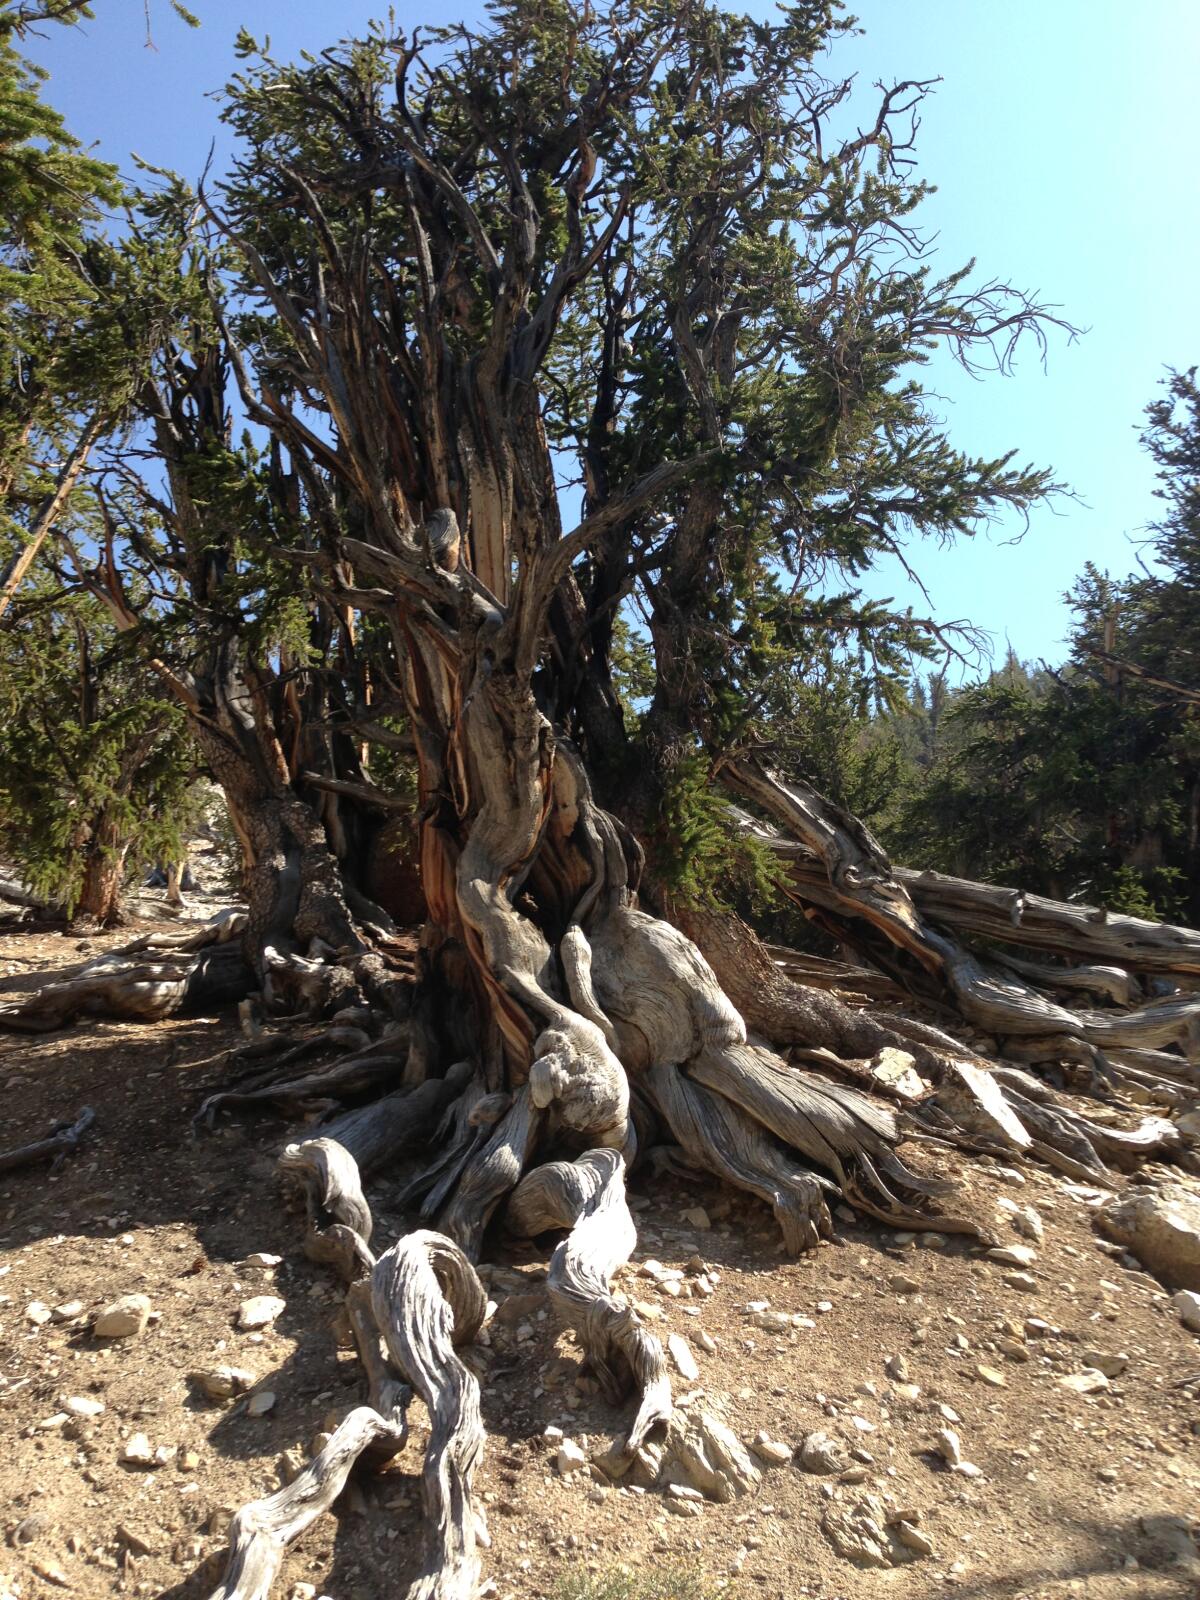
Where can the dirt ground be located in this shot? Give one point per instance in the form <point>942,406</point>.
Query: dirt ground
<point>1077,1494</point>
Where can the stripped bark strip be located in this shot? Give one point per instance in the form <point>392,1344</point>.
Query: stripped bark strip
<point>427,1299</point>
<point>588,1196</point>
<point>261,1531</point>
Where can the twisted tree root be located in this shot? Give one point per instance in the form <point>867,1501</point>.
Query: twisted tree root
<point>588,1196</point>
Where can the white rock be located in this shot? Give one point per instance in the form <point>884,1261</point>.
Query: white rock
<point>222,1383</point>
<point>896,1070</point>
<point>823,1453</point>
<point>137,1451</point>
<point>259,1404</point>
<point>1089,1381</point>
<point>259,1311</point>
<point>84,1405</point>
<point>124,1318</point>
<point>262,1258</point>
<point>913,1538</point>
<point>681,1355</point>
<point>901,1284</point>
<point>1013,1255</point>
<point>1162,1229</point>
<point>1187,1303</point>
<point>38,1312</point>
<point>705,1340</point>
<point>570,1458</point>
<point>699,1218</point>
<point>68,1311</point>
<point>770,1450</point>
<point>949,1446</point>
<point>897,1367</point>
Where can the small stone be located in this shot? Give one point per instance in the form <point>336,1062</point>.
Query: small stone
<point>137,1451</point>
<point>900,1283</point>
<point>259,1404</point>
<point>1187,1304</point>
<point>1110,1363</point>
<point>262,1258</point>
<point>188,1460</point>
<point>124,1318</point>
<point>681,1355</point>
<point>824,1305</point>
<point>897,1367</point>
<point>1089,1381</point>
<point>38,1312</point>
<point>222,1383</point>
<point>47,1568</point>
<point>771,1450</point>
<point>933,1241</point>
<point>1013,1255</point>
<point>570,1458</point>
<point>1020,1280</point>
<point>991,1376</point>
<point>1028,1223</point>
<point>1014,1349</point>
<point>684,1491</point>
<point>949,1446</point>
<point>822,1453</point>
<point>705,1340</point>
<point>699,1218</point>
<point>135,1541</point>
<point>259,1311</point>
<point>68,1311</point>
<point>84,1405</point>
<point>914,1539</point>
<point>910,1393</point>
<point>553,1435</point>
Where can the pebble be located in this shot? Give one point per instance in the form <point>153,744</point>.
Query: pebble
<point>949,1446</point>
<point>1111,1364</point>
<point>992,1376</point>
<point>681,1355</point>
<point>1020,1280</point>
<point>84,1405</point>
<point>68,1311</point>
<point>897,1367</point>
<point>259,1311</point>
<point>771,1450</point>
<point>124,1318</point>
<point>822,1453</point>
<point>222,1383</point>
<point>1187,1304</point>
<point>262,1258</point>
<point>699,1218</point>
<point>705,1340</point>
<point>570,1458</point>
<point>38,1312</point>
<point>137,1451</point>
<point>1013,1255</point>
<point>259,1404</point>
<point>1089,1381</point>
<point>914,1539</point>
<point>903,1284</point>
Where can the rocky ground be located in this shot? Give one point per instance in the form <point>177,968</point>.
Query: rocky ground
<point>927,1418</point>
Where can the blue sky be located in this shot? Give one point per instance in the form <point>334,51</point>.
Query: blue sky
<point>1061,142</point>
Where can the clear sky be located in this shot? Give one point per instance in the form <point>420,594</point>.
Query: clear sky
<point>1062,141</point>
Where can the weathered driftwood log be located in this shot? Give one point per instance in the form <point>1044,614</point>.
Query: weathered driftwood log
<point>62,1140</point>
<point>588,1197</point>
<point>140,983</point>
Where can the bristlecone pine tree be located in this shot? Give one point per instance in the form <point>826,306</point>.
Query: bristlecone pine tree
<point>624,260</point>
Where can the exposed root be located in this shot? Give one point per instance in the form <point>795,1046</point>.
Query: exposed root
<point>339,1218</point>
<point>588,1196</point>
<point>313,1089</point>
<point>492,1174</point>
<point>723,1140</point>
<point>61,1141</point>
<point>261,1531</point>
<point>427,1299</point>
